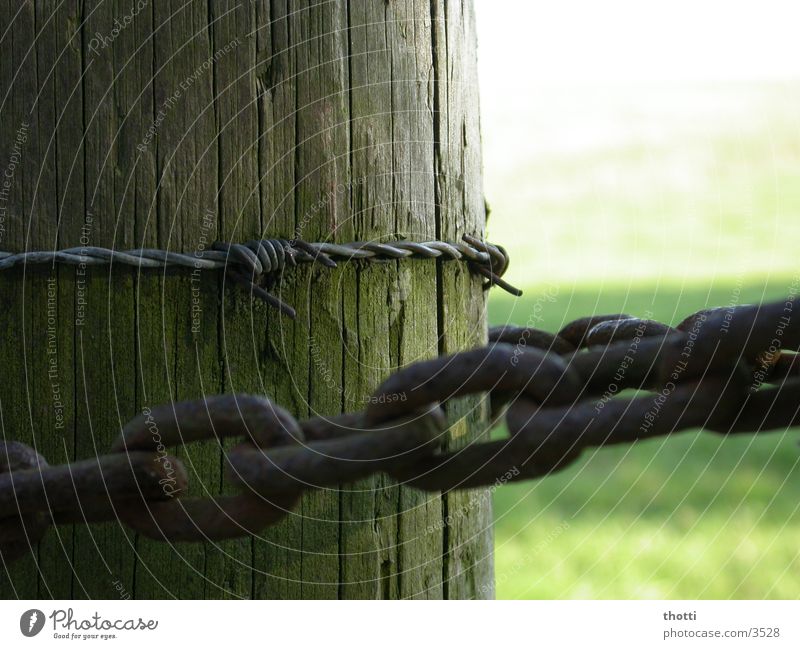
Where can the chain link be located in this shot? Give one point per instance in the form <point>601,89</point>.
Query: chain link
<point>728,370</point>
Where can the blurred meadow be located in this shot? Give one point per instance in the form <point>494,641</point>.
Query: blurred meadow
<point>656,197</point>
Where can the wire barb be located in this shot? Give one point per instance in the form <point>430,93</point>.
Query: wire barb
<point>253,263</point>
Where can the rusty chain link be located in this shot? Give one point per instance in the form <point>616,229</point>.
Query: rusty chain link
<point>728,370</point>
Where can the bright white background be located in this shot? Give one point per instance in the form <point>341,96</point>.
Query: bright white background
<point>526,42</point>
<point>380,625</point>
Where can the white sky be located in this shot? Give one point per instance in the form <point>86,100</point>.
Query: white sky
<point>527,42</point>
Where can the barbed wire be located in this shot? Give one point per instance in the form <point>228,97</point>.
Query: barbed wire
<point>254,263</point>
<point>729,370</point>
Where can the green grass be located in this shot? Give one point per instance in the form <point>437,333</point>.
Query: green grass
<point>668,201</point>
<point>670,184</point>
<point>694,516</point>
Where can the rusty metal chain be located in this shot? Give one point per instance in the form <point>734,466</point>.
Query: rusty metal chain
<point>255,264</point>
<point>727,370</point>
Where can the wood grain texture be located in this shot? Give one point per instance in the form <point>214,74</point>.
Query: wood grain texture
<point>172,125</point>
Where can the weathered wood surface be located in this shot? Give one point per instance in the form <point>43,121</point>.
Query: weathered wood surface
<point>234,120</point>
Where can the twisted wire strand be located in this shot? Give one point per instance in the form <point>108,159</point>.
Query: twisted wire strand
<point>251,263</point>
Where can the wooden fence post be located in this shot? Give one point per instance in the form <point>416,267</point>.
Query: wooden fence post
<point>144,123</point>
